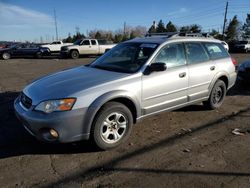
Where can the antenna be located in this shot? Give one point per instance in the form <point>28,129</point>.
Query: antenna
<point>55,24</point>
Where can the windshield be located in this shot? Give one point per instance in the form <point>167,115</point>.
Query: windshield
<point>78,42</point>
<point>126,57</point>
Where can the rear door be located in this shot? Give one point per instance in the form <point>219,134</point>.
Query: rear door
<point>201,70</point>
<point>94,47</point>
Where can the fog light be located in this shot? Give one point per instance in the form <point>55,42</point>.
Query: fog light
<point>53,133</point>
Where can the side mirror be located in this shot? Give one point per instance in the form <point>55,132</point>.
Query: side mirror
<point>155,67</point>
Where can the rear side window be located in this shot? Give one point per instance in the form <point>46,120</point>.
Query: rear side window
<point>196,53</point>
<point>216,50</point>
<point>172,55</point>
<point>93,42</point>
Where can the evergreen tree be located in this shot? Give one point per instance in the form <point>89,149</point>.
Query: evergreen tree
<point>152,29</point>
<point>160,27</point>
<point>118,38</point>
<point>185,29</point>
<point>98,35</point>
<point>246,28</point>
<point>232,30</point>
<point>216,34</point>
<point>132,35</point>
<point>68,39</point>
<point>195,28</point>
<point>170,27</point>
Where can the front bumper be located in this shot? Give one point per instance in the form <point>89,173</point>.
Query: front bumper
<point>69,124</point>
<point>65,53</point>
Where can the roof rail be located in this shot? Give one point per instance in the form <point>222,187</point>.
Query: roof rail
<point>165,34</point>
<point>179,34</point>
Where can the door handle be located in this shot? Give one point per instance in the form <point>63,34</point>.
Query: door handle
<point>212,68</point>
<point>182,75</point>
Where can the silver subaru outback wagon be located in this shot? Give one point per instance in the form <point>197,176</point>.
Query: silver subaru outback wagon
<point>135,79</point>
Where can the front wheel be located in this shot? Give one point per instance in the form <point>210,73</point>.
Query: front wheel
<point>217,95</point>
<point>74,54</point>
<point>112,126</point>
<point>6,56</point>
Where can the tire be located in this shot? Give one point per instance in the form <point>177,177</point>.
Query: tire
<point>217,95</point>
<point>38,55</point>
<point>112,125</point>
<point>74,54</point>
<point>6,56</point>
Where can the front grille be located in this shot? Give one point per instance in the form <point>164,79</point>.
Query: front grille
<point>64,48</point>
<point>26,101</point>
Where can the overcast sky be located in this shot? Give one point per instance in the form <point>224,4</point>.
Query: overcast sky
<point>31,20</point>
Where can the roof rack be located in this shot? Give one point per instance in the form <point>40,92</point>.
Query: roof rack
<point>178,34</point>
<point>166,34</point>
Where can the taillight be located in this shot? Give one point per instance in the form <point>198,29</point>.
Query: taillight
<point>234,61</point>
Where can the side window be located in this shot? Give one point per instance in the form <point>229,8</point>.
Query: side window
<point>93,42</point>
<point>86,42</point>
<point>172,54</point>
<point>196,53</point>
<point>216,50</point>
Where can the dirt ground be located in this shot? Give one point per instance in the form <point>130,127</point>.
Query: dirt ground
<point>190,147</point>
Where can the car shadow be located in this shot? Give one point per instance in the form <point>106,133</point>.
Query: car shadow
<point>240,88</point>
<point>15,141</point>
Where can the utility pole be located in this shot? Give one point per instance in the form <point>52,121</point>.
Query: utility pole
<point>124,29</point>
<point>55,24</point>
<point>225,20</point>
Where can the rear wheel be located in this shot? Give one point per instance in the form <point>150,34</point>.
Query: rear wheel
<point>6,55</point>
<point>112,126</point>
<point>217,95</point>
<point>74,54</point>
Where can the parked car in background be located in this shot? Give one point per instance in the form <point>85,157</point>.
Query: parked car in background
<point>244,71</point>
<point>86,47</point>
<point>23,50</point>
<point>134,80</point>
<point>55,47</point>
<point>242,46</point>
<point>3,45</point>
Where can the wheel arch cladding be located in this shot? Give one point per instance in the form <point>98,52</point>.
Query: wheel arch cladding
<point>117,96</point>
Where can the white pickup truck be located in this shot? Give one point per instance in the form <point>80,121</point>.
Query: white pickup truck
<point>86,47</point>
<point>55,46</point>
<point>243,46</point>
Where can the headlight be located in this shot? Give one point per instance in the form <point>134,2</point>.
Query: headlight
<point>56,105</point>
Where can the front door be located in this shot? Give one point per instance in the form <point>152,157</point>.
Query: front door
<point>166,89</point>
<point>85,47</point>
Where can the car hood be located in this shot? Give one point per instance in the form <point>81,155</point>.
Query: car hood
<point>4,49</point>
<point>67,83</point>
<point>71,46</point>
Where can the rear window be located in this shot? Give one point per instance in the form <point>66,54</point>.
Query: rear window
<point>196,53</point>
<point>216,50</point>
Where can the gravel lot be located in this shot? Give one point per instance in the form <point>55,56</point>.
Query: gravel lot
<point>190,147</point>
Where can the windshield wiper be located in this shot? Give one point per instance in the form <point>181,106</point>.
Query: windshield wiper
<point>103,68</point>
